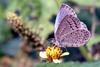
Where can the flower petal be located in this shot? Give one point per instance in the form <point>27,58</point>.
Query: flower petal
<point>65,53</point>
<point>42,54</point>
<point>57,60</point>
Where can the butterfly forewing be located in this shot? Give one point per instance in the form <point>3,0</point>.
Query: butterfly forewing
<point>67,25</point>
<point>64,10</point>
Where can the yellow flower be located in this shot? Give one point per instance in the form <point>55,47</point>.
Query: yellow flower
<point>53,54</point>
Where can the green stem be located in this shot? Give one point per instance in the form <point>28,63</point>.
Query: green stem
<point>86,54</point>
<point>58,2</point>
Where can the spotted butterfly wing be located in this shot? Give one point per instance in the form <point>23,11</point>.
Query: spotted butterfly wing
<point>75,39</point>
<point>70,31</point>
<point>63,11</point>
<point>83,25</point>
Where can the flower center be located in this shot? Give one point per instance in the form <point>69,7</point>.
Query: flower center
<point>53,53</point>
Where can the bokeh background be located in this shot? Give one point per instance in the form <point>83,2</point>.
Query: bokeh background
<point>40,16</point>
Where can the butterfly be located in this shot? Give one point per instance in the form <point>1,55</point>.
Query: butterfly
<point>69,30</point>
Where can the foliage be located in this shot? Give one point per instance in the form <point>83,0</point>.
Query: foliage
<point>28,10</point>
<point>42,11</point>
<point>5,33</point>
<point>1,53</point>
<point>70,64</point>
<point>86,17</point>
<point>93,41</point>
<point>87,2</point>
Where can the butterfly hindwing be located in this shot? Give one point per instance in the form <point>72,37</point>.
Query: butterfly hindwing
<point>75,39</point>
<point>83,25</point>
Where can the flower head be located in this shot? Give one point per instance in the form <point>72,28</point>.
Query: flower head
<point>53,54</point>
<point>31,38</point>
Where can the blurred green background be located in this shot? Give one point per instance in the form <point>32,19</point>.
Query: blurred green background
<point>41,14</point>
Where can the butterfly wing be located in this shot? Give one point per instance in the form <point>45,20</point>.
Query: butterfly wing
<point>67,25</point>
<point>75,39</point>
<point>71,32</point>
<point>83,25</point>
<point>63,11</point>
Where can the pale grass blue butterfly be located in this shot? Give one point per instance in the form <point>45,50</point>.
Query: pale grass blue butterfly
<point>69,30</point>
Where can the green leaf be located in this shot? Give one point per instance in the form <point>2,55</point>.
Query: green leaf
<point>93,40</point>
<point>70,64</point>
